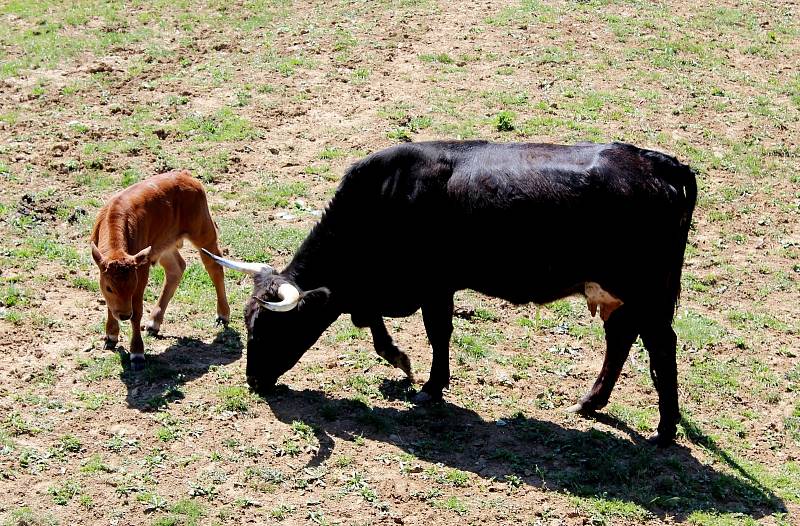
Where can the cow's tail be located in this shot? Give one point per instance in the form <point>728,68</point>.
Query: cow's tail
<point>684,180</point>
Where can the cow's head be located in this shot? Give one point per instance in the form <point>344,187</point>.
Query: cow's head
<point>282,321</point>
<point>119,280</point>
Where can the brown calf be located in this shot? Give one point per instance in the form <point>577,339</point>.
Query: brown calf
<point>139,226</point>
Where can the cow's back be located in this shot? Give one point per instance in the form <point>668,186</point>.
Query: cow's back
<point>519,221</point>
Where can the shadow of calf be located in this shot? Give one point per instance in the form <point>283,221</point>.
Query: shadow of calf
<point>594,463</point>
<point>185,360</point>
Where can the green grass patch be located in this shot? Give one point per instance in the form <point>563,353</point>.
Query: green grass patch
<point>697,330</point>
<point>224,125</point>
<point>235,398</point>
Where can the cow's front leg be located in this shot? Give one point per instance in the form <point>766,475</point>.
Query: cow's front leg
<point>438,319</point>
<point>621,332</point>
<point>112,331</point>
<point>660,341</point>
<point>387,350</point>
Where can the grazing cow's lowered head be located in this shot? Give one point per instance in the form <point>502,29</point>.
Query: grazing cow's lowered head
<point>289,319</point>
<point>119,279</point>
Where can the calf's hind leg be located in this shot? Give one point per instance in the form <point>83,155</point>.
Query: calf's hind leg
<point>217,276</point>
<point>621,332</point>
<point>174,266</point>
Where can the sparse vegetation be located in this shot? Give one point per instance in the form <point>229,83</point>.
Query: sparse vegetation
<point>268,103</point>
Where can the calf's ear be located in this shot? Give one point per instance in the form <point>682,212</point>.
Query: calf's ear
<point>96,255</point>
<point>142,257</point>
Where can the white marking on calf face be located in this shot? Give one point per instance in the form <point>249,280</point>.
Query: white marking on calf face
<point>595,295</point>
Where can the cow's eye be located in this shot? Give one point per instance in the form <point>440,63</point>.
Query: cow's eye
<point>109,289</point>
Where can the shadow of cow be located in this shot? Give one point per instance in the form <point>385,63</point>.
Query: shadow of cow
<point>594,464</point>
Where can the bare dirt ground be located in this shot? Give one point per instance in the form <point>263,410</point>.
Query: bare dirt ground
<point>268,102</point>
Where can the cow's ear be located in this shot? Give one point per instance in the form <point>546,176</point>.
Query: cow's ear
<point>142,257</point>
<point>96,255</point>
<point>314,297</point>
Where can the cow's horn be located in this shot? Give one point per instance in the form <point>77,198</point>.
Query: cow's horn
<point>248,268</point>
<point>289,296</point>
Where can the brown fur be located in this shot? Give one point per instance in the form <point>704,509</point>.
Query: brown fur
<point>144,224</point>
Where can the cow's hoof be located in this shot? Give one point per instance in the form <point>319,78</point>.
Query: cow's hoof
<point>661,440</point>
<point>109,344</point>
<point>577,409</point>
<point>422,398</point>
<point>582,408</point>
<point>404,364</point>
<point>221,320</point>
<point>425,397</point>
<point>137,363</point>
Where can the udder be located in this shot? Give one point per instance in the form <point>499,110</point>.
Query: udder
<point>597,297</point>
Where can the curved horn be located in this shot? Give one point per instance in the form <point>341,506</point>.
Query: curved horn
<point>248,268</point>
<point>289,296</point>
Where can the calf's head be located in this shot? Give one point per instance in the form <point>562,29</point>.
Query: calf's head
<point>119,280</point>
<point>283,321</point>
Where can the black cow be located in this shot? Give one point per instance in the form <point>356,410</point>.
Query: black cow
<point>412,224</point>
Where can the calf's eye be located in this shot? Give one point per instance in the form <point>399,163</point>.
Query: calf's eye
<point>109,289</point>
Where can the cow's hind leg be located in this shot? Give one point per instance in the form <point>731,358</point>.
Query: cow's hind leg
<point>217,276</point>
<point>661,342</point>
<point>438,318</point>
<point>174,266</point>
<point>621,332</point>
<point>387,350</point>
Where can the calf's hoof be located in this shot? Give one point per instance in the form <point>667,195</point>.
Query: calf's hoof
<point>137,362</point>
<point>109,344</point>
<point>152,328</point>
<point>221,320</point>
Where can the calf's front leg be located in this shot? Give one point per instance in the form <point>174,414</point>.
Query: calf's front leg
<point>437,316</point>
<point>112,331</point>
<point>137,345</point>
